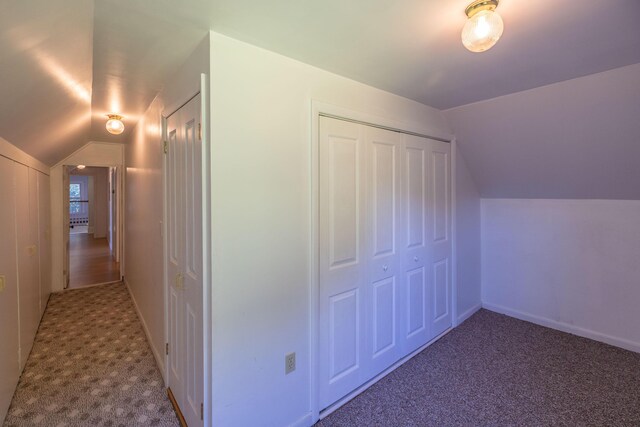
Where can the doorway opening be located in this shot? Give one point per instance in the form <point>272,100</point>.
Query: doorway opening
<point>92,225</point>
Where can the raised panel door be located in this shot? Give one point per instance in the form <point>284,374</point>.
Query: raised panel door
<point>44,239</point>
<point>192,230</point>
<point>26,249</point>
<point>184,254</point>
<point>416,268</point>
<point>440,236</point>
<point>9,318</point>
<point>383,217</point>
<point>174,176</point>
<point>343,268</point>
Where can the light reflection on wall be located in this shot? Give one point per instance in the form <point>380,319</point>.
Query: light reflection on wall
<point>114,92</point>
<point>46,62</point>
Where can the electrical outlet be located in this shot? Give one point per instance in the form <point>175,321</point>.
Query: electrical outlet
<point>289,363</point>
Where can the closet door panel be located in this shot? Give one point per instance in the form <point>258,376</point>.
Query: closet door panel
<point>28,287</point>
<point>416,267</point>
<point>440,236</point>
<point>44,239</point>
<point>384,251</point>
<point>343,267</point>
<point>175,252</point>
<point>9,364</point>
<point>192,230</point>
<point>416,307</point>
<point>34,252</point>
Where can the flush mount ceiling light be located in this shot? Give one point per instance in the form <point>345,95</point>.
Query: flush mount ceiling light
<point>114,124</point>
<point>484,26</point>
<point>81,167</point>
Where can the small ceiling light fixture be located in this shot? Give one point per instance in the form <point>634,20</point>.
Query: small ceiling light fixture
<point>81,167</point>
<point>484,26</point>
<point>114,124</point>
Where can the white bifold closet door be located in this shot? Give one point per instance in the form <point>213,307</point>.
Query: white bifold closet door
<point>184,259</point>
<point>385,249</point>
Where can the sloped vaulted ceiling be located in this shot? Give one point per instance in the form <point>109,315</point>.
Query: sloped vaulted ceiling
<point>578,139</point>
<point>45,75</point>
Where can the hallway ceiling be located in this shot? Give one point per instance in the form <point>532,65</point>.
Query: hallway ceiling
<point>67,63</point>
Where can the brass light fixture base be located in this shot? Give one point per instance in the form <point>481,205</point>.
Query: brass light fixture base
<point>114,117</point>
<point>480,5</point>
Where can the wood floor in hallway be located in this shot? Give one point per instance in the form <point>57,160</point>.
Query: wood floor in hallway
<point>91,365</point>
<point>90,261</point>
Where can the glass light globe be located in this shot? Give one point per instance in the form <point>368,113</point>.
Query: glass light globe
<point>482,30</point>
<point>115,125</point>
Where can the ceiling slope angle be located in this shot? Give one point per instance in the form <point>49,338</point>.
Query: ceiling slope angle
<point>577,139</point>
<point>45,75</point>
<point>413,48</point>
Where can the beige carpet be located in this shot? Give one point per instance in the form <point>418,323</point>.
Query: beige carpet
<point>91,366</point>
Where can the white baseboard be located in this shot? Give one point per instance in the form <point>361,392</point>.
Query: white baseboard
<point>470,312</point>
<point>156,353</point>
<point>306,421</point>
<point>565,327</point>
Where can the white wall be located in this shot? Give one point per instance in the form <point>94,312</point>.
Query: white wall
<point>144,198</point>
<point>468,278</point>
<point>573,265</point>
<point>261,195</point>
<point>92,154</point>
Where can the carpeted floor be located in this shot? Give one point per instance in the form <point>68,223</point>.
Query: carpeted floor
<point>91,366</point>
<point>498,371</point>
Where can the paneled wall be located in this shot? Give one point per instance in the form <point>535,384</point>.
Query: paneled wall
<point>25,266</point>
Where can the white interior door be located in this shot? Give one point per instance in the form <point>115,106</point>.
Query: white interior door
<point>184,259</point>
<point>416,265</point>
<point>384,251</point>
<point>386,279</point>
<point>28,275</point>
<point>343,254</point>
<point>175,253</point>
<point>44,243</point>
<point>9,316</point>
<point>440,237</point>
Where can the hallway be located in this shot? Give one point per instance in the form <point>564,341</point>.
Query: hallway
<point>91,365</point>
<point>90,261</point>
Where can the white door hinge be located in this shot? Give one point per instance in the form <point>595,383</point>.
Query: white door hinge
<point>200,131</point>
<point>165,146</point>
<point>166,349</point>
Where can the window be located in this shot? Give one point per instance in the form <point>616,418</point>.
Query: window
<point>74,199</point>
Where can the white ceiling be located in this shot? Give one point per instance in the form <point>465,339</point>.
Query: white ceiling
<point>67,63</point>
